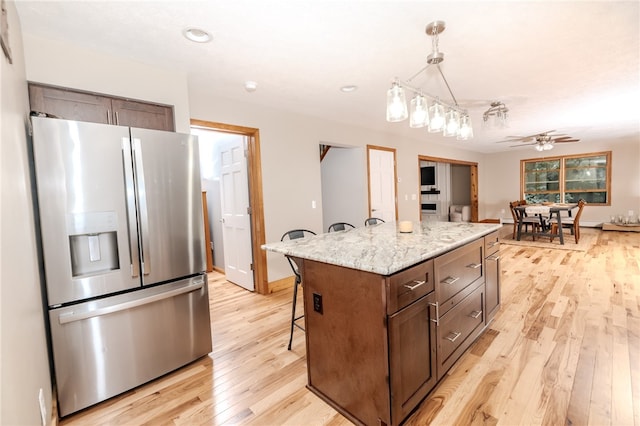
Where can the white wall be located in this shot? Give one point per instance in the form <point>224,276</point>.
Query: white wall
<point>63,64</point>
<point>24,365</point>
<point>291,167</point>
<point>344,186</point>
<point>500,182</point>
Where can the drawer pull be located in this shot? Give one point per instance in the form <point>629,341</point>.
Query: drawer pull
<point>493,243</point>
<point>474,265</point>
<point>450,280</point>
<point>493,257</point>
<point>413,287</point>
<point>475,314</point>
<point>455,336</point>
<point>437,320</point>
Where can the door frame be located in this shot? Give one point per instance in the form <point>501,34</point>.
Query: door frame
<point>395,176</point>
<point>473,183</point>
<point>254,176</point>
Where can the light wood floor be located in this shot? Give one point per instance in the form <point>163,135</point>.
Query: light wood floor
<point>564,349</point>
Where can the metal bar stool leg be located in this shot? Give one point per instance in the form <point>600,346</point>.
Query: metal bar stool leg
<point>293,312</point>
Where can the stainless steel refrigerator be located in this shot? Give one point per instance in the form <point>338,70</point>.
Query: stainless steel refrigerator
<point>120,213</point>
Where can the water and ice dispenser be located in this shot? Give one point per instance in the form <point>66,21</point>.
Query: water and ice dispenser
<point>93,243</point>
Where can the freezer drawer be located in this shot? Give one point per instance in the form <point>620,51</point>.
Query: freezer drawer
<point>105,347</point>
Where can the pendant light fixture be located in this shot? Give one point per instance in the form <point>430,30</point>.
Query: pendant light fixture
<point>496,115</point>
<point>454,122</point>
<point>396,103</point>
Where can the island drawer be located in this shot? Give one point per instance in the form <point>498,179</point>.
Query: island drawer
<point>456,330</point>
<point>405,287</point>
<point>456,270</point>
<point>491,244</point>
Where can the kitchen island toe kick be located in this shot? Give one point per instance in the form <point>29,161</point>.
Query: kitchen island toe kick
<point>378,343</point>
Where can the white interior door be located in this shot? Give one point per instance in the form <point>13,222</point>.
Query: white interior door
<point>382,183</point>
<point>236,221</point>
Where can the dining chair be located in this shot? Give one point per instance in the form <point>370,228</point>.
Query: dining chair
<point>526,220</point>
<point>373,221</point>
<point>340,226</point>
<point>292,235</point>
<point>569,222</point>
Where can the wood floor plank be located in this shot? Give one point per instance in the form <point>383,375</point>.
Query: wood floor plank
<point>563,349</point>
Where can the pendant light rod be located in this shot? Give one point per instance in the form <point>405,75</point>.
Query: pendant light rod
<point>418,90</point>
<point>448,88</point>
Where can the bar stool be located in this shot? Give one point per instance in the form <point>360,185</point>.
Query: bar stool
<point>292,235</point>
<point>373,221</point>
<point>340,226</point>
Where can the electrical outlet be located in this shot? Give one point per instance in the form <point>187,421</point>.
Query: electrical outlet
<point>43,408</point>
<point>317,303</point>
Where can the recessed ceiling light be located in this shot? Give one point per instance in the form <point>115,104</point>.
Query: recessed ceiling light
<point>349,88</point>
<point>250,86</point>
<point>196,34</point>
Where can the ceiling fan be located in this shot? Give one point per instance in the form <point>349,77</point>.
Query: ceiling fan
<point>541,141</point>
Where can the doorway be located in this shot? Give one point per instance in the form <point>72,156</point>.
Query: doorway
<point>256,267</point>
<point>382,178</point>
<point>462,170</point>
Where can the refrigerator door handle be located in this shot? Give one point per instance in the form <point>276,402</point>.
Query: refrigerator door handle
<point>68,317</point>
<point>142,206</point>
<point>130,190</point>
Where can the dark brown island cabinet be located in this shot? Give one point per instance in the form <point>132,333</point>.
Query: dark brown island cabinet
<point>377,345</point>
<point>71,104</point>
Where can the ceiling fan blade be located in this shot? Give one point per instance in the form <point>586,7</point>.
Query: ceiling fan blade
<point>511,141</point>
<point>532,136</point>
<point>523,144</point>
<point>567,140</point>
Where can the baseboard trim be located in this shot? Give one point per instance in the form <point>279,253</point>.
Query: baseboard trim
<point>283,284</point>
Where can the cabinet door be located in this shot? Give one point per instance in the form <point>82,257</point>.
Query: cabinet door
<point>142,115</point>
<point>69,104</point>
<point>492,283</point>
<point>412,346</point>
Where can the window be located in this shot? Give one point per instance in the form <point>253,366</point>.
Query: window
<point>568,179</point>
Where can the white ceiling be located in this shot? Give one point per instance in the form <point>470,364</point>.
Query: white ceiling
<point>566,66</point>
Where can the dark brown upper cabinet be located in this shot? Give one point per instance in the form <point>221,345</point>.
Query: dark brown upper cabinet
<point>71,104</point>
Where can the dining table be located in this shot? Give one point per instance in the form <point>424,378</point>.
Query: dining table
<point>543,210</point>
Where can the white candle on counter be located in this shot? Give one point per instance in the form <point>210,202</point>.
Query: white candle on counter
<point>406,226</point>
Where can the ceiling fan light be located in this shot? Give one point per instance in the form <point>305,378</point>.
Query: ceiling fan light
<point>465,131</point>
<point>396,104</point>
<point>418,114</point>
<point>452,123</point>
<point>547,146</point>
<point>436,117</point>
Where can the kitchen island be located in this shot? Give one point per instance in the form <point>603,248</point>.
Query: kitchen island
<point>388,313</point>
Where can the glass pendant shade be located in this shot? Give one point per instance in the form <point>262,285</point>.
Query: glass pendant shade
<point>396,104</point>
<point>451,123</point>
<point>418,114</point>
<point>539,147</point>
<point>465,131</point>
<point>547,146</point>
<point>436,117</point>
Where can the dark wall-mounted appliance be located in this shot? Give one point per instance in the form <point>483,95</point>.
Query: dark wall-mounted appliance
<point>428,175</point>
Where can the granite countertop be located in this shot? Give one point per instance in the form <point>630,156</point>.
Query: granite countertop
<point>383,249</point>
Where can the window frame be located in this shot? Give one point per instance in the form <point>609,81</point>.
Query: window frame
<point>562,175</point>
